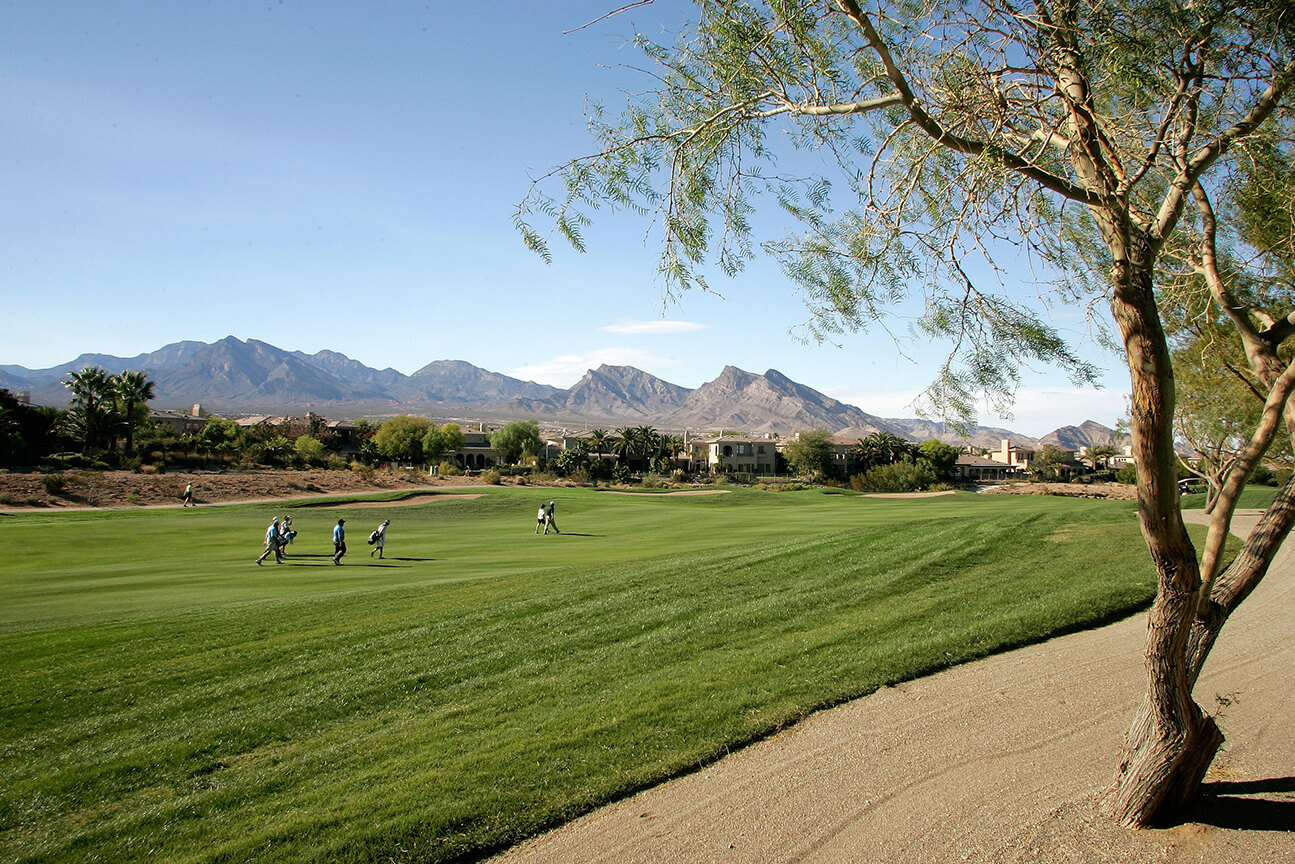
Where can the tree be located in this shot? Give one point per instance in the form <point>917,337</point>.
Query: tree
<point>1101,454</point>
<point>133,391</point>
<point>941,458</point>
<point>92,407</point>
<point>1048,459</point>
<point>811,453</point>
<point>451,438</point>
<point>309,449</point>
<point>517,438</point>
<point>881,448</point>
<point>401,437</point>
<point>1093,135</point>
<point>433,444</point>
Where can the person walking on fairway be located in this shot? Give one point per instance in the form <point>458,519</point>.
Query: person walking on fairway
<point>380,539</point>
<point>188,496</point>
<point>540,519</point>
<point>339,541</point>
<point>272,543</point>
<point>549,521</point>
<point>285,535</point>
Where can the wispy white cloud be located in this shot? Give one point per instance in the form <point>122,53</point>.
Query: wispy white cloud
<point>627,326</point>
<point>565,369</point>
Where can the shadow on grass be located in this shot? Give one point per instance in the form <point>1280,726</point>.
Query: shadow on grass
<point>1227,805</point>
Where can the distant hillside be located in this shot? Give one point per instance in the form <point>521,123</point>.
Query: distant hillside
<point>234,376</point>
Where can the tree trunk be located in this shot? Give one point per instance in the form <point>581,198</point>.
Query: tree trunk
<point>1171,742</point>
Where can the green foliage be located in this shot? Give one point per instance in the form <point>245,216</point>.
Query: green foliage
<point>517,439</point>
<point>451,438</point>
<point>219,433</point>
<point>882,448</point>
<point>940,457</point>
<point>568,462</point>
<point>309,449</point>
<point>1127,474</point>
<point>402,437</point>
<point>903,476</point>
<point>810,454</point>
<point>1048,460</point>
<point>433,444</point>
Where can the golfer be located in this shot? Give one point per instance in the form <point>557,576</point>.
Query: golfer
<point>339,541</point>
<point>188,496</point>
<point>272,543</point>
<point>380,539</point>
<point>540,518</point>
<point>549,521</point>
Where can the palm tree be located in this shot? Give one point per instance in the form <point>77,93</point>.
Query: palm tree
<point>881,448</point>
<point>1101,454</point>
<point>623,444</point>
<point>599,440</point>
<point>92,403</point>
<point>646,443</point>
<point>133,390</point>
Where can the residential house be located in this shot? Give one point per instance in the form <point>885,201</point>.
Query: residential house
<point>476,453</point>
<point>737,454</point>
<point>981,469</point>
<point>1013,455</point>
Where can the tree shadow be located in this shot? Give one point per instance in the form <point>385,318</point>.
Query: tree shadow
<point>1228,805</point>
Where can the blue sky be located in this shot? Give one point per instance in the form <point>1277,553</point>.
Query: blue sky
<point>342,175</point>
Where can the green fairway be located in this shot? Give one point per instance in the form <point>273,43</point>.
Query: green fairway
<point>166,699</point>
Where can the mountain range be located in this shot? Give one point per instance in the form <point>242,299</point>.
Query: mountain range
<point>232,376</point>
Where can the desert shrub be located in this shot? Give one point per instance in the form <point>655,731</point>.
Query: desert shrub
<point>902,476</point>
<point>491,476</point>
<point>55,484</point>
<point>1128,474</point>
<point>158,468</point>
<point>336,463</point>
<point>581,476</point>
<point>365,471</point>
<point>601,469</point>
<point>794,486</point>
<point>449,469</point>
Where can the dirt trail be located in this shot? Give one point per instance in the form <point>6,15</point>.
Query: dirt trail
<point>1001,760</point>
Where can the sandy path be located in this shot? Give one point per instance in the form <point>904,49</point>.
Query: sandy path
<point>997,761</point>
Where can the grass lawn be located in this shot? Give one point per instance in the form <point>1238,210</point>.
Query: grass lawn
<point>167,700</point>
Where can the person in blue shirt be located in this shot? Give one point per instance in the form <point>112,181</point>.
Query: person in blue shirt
<point>272,543</point>
<point>339,541</point>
